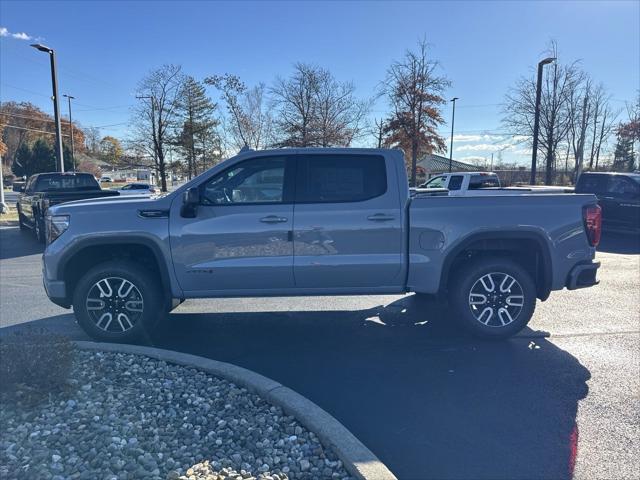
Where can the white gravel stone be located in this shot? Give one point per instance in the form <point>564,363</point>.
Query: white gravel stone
<point>134,417</point>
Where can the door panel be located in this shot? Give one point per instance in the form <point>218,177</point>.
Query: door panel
<point>240,238</point>
<point>340,243</point>
<point>621,203</point>
<point>231,247</point>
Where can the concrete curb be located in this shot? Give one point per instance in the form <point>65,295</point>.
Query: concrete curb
<point>357,459</point>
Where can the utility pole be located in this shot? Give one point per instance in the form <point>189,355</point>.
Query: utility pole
<point>536,120</point>
<point>453,119</point>
<point>56,106</point>
<point>3,206</point>
<point>73,153</point>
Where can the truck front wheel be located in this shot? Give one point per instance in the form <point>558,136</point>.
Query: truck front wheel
<point>118,301</point>
<point>492,297</point>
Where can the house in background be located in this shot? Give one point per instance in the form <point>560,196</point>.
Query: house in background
<point>432,164</point>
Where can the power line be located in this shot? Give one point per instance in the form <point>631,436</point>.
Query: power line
<point>33,130</point>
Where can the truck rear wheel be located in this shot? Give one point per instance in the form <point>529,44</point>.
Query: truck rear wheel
<point>492,297</point>
<point>118,301</point>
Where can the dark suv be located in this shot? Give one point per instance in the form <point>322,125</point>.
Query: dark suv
<point>619,197</point>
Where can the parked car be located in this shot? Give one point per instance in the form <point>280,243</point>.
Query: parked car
<point>483,183</point>
<point>106,179</point>
<point>44,190</point>
<point>138,189</point>
<point>618,195</point>
<point>316,222</point>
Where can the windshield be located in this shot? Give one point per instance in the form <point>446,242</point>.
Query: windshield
<point>47,183</point>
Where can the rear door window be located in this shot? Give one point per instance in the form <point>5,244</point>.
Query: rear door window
<point>483,181</point>
<point>622,187</point>
<point>592,184</point>
<point>340,178</point>
<point>455,183</point>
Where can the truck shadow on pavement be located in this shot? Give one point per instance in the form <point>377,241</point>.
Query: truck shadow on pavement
<point>429,402</point>
<point>16,243</point>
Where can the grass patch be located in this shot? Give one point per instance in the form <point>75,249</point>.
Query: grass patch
<point>10,216</point>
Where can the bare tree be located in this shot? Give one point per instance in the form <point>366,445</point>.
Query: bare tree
<point>92,140</point>
<point>155,113</point>
<point>378,132</point>
<point>415,91</point>
<point>314,109</point>
<point>249,121</point>
<point>558,83</point>
<point>581,110</point>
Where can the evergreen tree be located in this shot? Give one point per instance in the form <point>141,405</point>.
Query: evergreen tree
<point>38,158</point>
<point>196,135</point>
<point>623,159</point>
<point>22,161</point>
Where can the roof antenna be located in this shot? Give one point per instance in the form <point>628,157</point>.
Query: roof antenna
<point>246,148</point>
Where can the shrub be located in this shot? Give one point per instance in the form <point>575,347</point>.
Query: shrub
<point>34,363</point>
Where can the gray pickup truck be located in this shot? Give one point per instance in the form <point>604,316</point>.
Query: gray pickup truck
<point>315,222</point>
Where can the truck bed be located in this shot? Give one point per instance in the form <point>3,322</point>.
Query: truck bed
<point>438,225</point>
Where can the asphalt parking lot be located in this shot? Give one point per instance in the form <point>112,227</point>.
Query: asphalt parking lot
<point>562,400</point>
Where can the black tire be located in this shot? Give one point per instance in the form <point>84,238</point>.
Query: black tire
<point>21,224</point>
<point>38,229</point>
<point>504,311</point>
<point>135,325</point>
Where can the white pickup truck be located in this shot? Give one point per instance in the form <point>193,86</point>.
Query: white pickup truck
<point>481,183</point>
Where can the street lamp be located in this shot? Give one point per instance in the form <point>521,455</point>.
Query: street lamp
<point>453,119</point>
<point>56,107</point>
<point>73,154</point>
<point>536,120</point>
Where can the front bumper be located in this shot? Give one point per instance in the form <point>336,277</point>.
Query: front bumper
<point>583,275</point>
<point>56,290</point>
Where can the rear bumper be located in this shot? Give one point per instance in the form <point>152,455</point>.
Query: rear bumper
<point>583,275</point>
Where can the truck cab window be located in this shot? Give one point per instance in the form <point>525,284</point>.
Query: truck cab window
<point>336,178</point>
<point>260,180</point>
<point>437,182</point>
<point>455,183</point>
<point>620,186</point>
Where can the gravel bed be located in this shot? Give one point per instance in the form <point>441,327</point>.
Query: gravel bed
<point>132,417</point>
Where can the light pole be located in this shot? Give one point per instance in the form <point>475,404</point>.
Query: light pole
<point>536,120</point>
<point>56,106</point>
<point>453,119</point>
<point>73,153</point>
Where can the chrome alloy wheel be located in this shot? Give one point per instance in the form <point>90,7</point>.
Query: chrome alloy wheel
<point>114,304</point>
<point>496,299</point>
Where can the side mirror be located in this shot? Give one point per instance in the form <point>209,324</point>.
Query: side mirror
<point>19,188</point>
<point>190,202</point>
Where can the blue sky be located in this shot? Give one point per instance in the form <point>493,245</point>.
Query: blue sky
<point>104,48</point>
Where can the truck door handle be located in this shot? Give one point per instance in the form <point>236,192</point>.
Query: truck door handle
<point>380,217</point>
<point>274,219</point>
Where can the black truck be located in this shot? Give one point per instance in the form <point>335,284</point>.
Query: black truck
<point>619,197</point>
<point>43,190</point>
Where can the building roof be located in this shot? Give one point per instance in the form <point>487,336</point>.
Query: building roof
<point>433,163</point>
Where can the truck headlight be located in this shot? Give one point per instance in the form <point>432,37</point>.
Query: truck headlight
<point>55,226</point>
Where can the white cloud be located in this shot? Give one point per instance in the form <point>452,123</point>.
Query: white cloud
<point>476,138</point>
<point>21,36</point>
<point>4,32</point>
<point>484,147</point>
